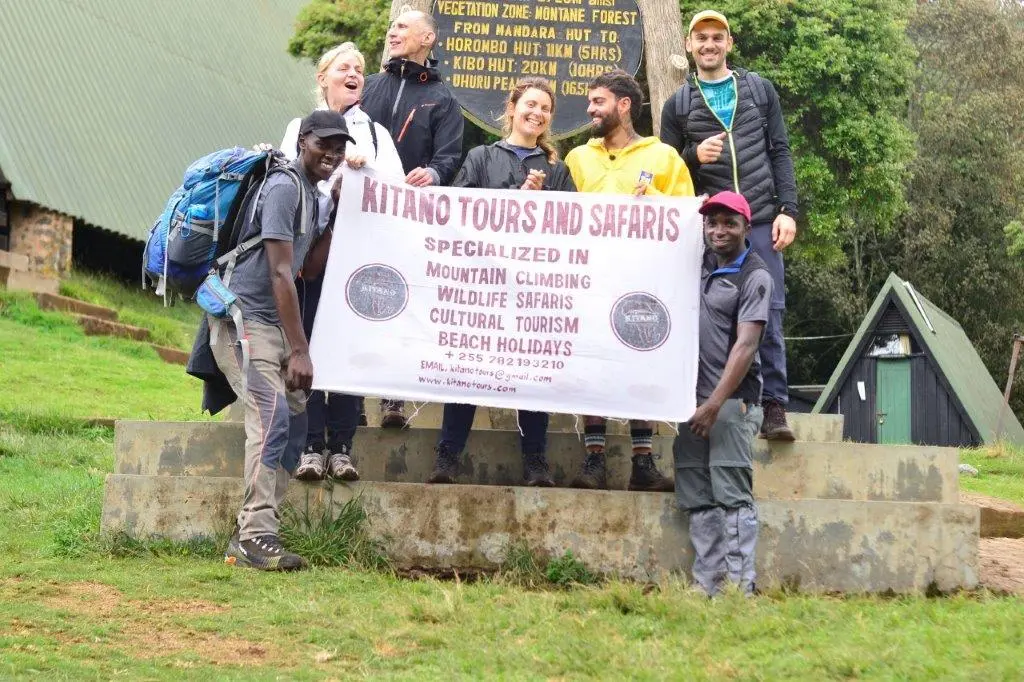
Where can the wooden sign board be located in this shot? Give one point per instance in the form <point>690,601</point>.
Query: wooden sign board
<point>485,46</point>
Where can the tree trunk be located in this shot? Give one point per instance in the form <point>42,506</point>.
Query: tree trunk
<point>663,36</point>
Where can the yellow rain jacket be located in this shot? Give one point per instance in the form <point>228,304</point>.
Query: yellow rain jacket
<point>595,169</point>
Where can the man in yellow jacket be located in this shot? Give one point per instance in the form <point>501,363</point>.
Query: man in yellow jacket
<point>619,161</point>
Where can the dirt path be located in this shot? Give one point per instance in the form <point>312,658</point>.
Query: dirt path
<point>1001,564</point>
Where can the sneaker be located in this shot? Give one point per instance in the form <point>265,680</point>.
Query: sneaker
<point>646,477</point>
<point>592,474</point>
<point>311,466</point>
<point>391,415</point>
<point>339,465</point>
<point>535,471</point>
<point>774,426</point>
<point>264,553</point>
<point>446,466</point>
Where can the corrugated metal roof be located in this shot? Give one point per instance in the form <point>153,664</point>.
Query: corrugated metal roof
<point>104,103</point>
<point>952,352</point>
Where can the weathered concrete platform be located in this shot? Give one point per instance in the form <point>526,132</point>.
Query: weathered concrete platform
<point>802,470</point>
<point>822,428</point>
<point>815,545</point>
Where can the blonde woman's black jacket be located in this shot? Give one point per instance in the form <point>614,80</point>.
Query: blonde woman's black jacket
<point>496,166</point>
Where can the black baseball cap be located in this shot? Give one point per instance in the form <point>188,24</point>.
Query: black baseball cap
<point>325,123</point>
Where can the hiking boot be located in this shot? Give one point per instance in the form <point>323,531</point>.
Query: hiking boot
<point>391,415</point>
<point>774,426</point>
<point>646,477</point>
<point>339,465</point>
<point>311,466</point>
<point>264,553</point>
<point>592,474</point>
<point>446,466</point>
<point>535,471</point>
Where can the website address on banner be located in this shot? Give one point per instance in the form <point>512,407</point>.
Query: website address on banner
<point>456,382</point>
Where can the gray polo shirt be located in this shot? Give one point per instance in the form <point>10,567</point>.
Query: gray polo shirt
<point>277,217</point>
<point>738,292</point>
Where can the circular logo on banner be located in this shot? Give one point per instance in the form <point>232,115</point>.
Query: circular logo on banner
<point>487,45</point>
<point>640,321</point>
<point>377,292</point>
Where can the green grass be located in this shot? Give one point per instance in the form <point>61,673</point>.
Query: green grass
<point>1000,472</point>
<point>173,326</point>
<point>76,604</point>
<point>51,368</point>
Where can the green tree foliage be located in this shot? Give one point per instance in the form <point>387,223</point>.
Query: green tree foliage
<point>961,242</point>
<point>322,24</point>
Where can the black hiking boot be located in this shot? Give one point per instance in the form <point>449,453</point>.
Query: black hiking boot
<point>536,472</point>
<point>264,553</point>
<point>446,466</point>
<point>592,474</point>
<point>774,426</point>
<point>646,477</point>
<point>392,415</point>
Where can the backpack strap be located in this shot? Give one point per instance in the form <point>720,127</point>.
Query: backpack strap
<point>755,83</point>
<point>683,96</point>
<point>373,136</point>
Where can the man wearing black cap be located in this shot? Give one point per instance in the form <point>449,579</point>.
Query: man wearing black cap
<point>714,466</point>
<point>278,369</point>
<point>727,125</point>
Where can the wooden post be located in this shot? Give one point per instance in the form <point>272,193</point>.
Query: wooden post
<point>1018,339</point>
<point>663,37</point>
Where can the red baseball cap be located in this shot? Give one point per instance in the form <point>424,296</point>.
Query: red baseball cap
<point>728,200</point>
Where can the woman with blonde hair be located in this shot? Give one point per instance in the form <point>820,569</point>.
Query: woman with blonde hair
<point>333,417</point>
<point>525,159</point>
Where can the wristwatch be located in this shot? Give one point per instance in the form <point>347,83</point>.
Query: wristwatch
<point>789,210</point>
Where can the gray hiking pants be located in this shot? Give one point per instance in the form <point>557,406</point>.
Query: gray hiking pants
<point>275,420</point>
<point>715,484</point>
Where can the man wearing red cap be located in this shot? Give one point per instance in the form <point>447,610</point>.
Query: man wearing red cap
<point>713,451</point>
<point>727,125</point>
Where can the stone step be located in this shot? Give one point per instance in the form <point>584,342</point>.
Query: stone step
<point>67,304</point>
<point>97,326</point>
<point>781,471</point>
<point>174,356</point>
<point>812,545</point>
<point>21,280</point>
<point>806,427</point>
<point>999,518</point>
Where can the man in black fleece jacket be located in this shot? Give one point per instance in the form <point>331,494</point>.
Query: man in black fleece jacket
<point>410,99</point>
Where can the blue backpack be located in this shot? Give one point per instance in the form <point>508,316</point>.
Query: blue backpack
<point>189,238</point>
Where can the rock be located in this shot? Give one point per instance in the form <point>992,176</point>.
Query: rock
<point>968,470</point>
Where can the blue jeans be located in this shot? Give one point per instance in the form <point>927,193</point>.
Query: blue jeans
<point>333,417</point>
<point>458,420</point>
<point>773,347</point>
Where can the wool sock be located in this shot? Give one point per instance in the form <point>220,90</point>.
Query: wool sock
<point>594,437</point>
<point>643,441</point>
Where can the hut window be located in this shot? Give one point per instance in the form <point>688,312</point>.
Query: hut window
<point>890,346</point>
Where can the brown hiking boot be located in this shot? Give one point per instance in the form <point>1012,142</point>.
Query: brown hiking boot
<point>774,426</point>
<point>391,415</point>
<point>646,477</point>
<point>592,475</point>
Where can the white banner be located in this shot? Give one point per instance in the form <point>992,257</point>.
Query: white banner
<point>548,301</point>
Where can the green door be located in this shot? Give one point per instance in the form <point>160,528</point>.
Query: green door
<point>892,400</point>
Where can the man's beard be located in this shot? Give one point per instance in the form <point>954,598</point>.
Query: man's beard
<point>608,124</point>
